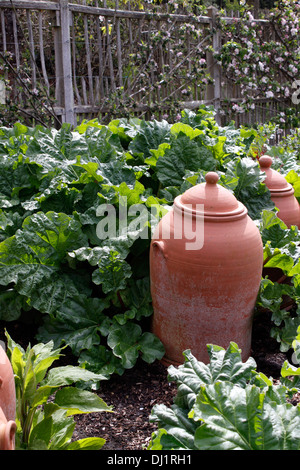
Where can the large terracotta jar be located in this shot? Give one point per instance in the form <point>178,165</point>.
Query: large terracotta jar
<point>282,193</point>
<point>206,260</point>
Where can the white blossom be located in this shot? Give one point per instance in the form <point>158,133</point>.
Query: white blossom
<point>261,66</point>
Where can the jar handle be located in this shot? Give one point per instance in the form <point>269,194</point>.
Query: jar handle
<point>160,245</point>
<point>7,432</point>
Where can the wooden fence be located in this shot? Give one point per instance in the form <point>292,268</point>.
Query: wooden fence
<point>91,61</point>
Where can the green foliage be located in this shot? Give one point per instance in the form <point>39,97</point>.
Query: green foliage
<point>44,422</point>
<point>227,405</point>
<point>91,291</point>
<point>281,250</point>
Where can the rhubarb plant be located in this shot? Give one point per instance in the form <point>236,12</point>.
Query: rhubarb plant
<point>281,251</point>
<point>227,405</point>
<point>90,291</point>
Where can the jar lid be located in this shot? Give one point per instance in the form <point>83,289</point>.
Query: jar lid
<point>210,199</point>
<point>274,181</point>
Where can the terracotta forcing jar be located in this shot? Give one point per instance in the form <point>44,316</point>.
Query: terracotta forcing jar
<point>7,403</point>
<point>206,260</point>
<point>282,193</point>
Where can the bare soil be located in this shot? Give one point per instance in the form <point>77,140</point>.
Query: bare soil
<point>133,394</point>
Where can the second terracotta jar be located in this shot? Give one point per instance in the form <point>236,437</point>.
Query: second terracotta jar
<point>206,261</point>
<point>282,193</point>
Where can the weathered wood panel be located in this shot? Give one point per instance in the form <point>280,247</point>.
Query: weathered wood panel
<point>96,61</point>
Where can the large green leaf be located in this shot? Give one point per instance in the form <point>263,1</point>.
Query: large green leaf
<point>183,154</point>
<point>149,136</point>
<point>18,176</point>
<point>223,365</point>
<point>124,341</point>
<point>180,430</point>
<point>100,359</point>
<point>137,297</point>
<point>127,342</point>
<point>151,347</point>
<point>271,297</point>
<point>77,322</point>
<point>62,152</point>
<point>112,272</point>
<point>236,418</point>
<point>32,259</point>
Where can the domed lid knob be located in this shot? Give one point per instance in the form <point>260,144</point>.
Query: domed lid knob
<point>211,177</point>
<point>265,161</point>
<point>274,180</point>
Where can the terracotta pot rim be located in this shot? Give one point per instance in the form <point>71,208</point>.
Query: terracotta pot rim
<point>238,213</point>
<point>282,192</point>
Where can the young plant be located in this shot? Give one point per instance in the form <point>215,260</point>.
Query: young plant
<point>227,405</point>
<point>46,401</point>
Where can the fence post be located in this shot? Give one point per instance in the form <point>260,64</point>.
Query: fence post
<point>63,64</point>
<point>214,91</point>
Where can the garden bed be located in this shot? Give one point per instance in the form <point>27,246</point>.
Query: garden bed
<point>92,287</point>
<point>133,394</point>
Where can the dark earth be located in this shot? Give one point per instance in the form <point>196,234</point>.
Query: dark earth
<point>133,394</point>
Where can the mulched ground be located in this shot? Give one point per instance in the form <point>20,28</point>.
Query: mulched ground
<point>134,394</point>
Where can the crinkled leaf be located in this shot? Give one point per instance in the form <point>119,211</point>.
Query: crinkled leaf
<point>32,258</point>
<point>236,418</point>
<point>149,136</point>
<point>124,341</point>
<point>137,297</point>
<point>101,360</point>
<point>179,427</point>
<point>112,272</point>
<point>151,347</point>
<point>224,365</point>
<point>271,296</point>
<point>67,375</point>
<point>77,322</point>
<point>183,154</point>
<point>231,417</point>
